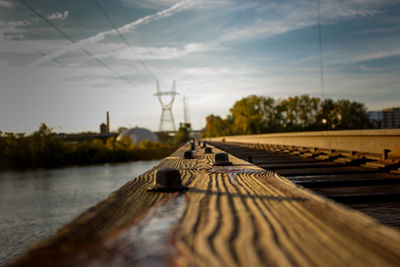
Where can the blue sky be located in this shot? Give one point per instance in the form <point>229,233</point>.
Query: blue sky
<point>217,51</point>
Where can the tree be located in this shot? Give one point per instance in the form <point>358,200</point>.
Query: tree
<point>273,120</point>
<point>326,118</point>
<point>126,144</point>
<point>110,143</point>
<point>259,114</point>
<point>44,149</point>
<point>248,115</point>
<point>182,135</point>
<point>301,112</point>
<point>43,130</point>
<point>216,126</point>
<point>351,115</point>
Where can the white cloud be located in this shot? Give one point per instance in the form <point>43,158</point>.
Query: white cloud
<point>13,29</point>
<point>4,3</point>
<point>364,55</point>
<point>376,55</point>
<point>219,71</point>
<point>156,4</point>
<point>58,15</point>
<point>163,53</point>
<point>285,17</point>
<point>280,18</point>
<point>366,68</point>
<point>349,8</point>
<point>265,29</point>
<point>150,3</point>
<point>18,23</point>
<point>126,28</point>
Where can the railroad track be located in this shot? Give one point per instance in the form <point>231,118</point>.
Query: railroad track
<point>358,182</point>
<point>233,215</point>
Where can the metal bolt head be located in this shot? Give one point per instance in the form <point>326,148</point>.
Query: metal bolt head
<point>188,154</point>
<point>168,179</point>
<point>207,150</point>
<point>386,154</point>
<point>222,159</point>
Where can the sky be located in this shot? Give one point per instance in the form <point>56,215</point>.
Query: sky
<point>64,63</point>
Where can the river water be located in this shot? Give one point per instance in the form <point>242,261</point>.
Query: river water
<point>35,203</point>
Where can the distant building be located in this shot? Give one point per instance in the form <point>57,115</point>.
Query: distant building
<point>391,118</point>
<point>138,135</point>
<point>103,128</point>
<point>388,118</point>
<point>375,117</point>
<point>108,122</point>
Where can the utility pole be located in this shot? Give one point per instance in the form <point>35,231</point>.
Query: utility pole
<point>185,110</point>
<point>108,122</point>
<point>320,50</point>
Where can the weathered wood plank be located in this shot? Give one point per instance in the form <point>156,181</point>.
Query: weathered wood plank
<point>362,191</point>
<point>239,215</point>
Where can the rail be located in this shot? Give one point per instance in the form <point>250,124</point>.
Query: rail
<point>375,144</point>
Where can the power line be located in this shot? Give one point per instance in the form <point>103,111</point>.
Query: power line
<point>69,38</point>
<point>320,50</point>
<point>123,38</point>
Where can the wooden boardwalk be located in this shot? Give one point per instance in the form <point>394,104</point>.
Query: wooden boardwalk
<point>238,215</point>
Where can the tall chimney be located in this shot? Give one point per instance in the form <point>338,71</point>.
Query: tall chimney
<point>108,122</point>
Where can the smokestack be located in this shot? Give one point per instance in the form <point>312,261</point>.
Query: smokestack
<point>108,122</point>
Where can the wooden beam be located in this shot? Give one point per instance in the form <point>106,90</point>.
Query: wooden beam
<point>238,215</point>
<point>365,141</point>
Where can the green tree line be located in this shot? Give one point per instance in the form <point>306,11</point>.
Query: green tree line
<point>259,114</point>
<point>45,149</point>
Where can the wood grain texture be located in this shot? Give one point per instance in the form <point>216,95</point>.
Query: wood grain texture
<point>252,217</point>
<point>238,215</point>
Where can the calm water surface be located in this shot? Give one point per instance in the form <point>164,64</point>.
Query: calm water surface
<point>33,204</point>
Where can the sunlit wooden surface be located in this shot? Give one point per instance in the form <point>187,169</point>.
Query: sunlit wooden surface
<point>238,215</point>
<point>365,141</point>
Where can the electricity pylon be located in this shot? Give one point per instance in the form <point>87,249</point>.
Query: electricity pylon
<point>166,113</point>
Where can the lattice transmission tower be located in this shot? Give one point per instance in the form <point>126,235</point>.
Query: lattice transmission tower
<point>166,114</point>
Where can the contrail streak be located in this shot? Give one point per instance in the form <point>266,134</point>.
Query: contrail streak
<point>123,29</point>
